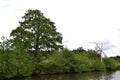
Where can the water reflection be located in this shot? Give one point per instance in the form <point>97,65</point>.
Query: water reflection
<point>76,76</point>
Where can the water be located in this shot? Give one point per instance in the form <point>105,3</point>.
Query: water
<point>78,76</point>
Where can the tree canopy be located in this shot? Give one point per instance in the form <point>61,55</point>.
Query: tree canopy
<point>36,32</point>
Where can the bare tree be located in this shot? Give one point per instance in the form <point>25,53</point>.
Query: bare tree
<point>99,50</point>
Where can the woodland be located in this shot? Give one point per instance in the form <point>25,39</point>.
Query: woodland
<point>36,48</point>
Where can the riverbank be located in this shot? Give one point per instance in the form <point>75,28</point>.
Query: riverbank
<point>110,75</point>
<point>57,62</point>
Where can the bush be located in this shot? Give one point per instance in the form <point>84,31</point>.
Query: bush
<point>64,61</point>
<point>55,63</point>
<point>81,63</point>
<point>111,64</point>
<point>14,64</point>
<point>97,65</point>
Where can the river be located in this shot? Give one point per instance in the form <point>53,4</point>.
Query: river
<point>78,76</point>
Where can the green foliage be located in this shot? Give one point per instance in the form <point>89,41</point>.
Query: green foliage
<point>55,63</point>
<point>81,63</point>
<point>97,65</point>
<point>51,65</point>
<point>80,49</point>
<point>14,64</point>
<point>36,32</point>
<point>111,64</point>
<point>92,54</point>
<point>5,44</point>
<point>68,61</point>
<point>117,58</point>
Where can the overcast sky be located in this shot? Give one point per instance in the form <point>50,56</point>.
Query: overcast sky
<point>81,22</point>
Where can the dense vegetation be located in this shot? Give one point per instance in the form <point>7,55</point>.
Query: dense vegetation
<point>36,48</point>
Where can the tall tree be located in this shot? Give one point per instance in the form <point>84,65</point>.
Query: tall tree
<point>36,32</point>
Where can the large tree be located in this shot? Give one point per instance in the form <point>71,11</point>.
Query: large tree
<point>36,32</point>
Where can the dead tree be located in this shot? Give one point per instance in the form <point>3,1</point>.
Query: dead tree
<point>99,50</point>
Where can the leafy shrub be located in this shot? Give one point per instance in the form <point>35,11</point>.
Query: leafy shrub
<point>110,64</point>
<point>81,63</point>
<point>55,63</point>
<point>14,64</point>
<point>97,65</point>
<point>92,54</point>
<point>64,61</point>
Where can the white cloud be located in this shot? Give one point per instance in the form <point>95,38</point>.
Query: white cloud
<point>80,21</point>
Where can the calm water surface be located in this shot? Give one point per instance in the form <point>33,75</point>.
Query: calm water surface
<point>81,76</point>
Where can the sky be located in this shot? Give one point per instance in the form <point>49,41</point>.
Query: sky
<point>81,22</point>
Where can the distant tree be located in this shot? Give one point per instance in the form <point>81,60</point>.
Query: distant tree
<point>5,44</point>
<point>36,32</point>
<point>80,49</point>
<point>92,53</point>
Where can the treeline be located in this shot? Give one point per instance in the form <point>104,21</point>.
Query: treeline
<point>15,64</point>
<point>36,47</point>
<point>117,58</point>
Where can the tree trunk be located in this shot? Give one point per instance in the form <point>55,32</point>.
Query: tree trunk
<point>36,53</point>
<point>35,58</point>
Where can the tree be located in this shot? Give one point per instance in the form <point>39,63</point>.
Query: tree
<point>80,49</point>
<point>5,44</point>
<point>36,32</point>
